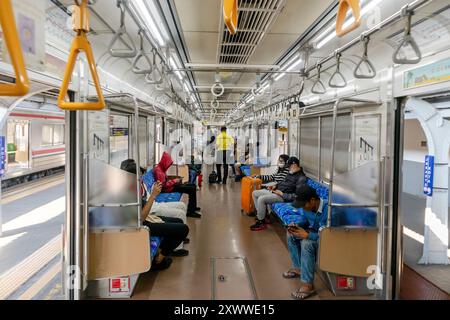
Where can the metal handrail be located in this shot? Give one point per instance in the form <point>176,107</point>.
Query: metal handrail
<point>332,166</point>
<point>141,55</point>
<point>122,31</point>
<point>318,86</point>
<point>337,73</point>
<point>407,40</point>
<point>114,205</point>
<point>365,60</point>
<point>81,43</point>
<point>390,20</point>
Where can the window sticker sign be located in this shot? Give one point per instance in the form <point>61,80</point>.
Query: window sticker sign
<point>428,175</point>
<point>2,156</point>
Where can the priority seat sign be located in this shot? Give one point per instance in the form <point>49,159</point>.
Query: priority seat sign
<point>428,175</point>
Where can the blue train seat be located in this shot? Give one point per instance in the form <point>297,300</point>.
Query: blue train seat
<point>148,179</point>
<point>363,217</point>
<point>246,170</point>
<point>154,245</point>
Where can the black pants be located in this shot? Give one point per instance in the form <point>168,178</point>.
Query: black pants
<point>173,231</point>
<point>223,156</point>
<point>191,191</point>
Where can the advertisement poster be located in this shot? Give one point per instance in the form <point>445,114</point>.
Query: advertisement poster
<point>98,135</point>
<point>30,21</point>
<point>366,139</point>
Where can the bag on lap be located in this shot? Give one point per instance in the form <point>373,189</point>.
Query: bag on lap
<point>213,177</point>
<point>249,185</point>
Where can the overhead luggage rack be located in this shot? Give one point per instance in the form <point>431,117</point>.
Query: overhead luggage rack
<point>127,101</point>
<point>329,106</point>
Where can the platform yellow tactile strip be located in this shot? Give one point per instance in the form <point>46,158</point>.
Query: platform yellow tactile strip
<point>12,279</point>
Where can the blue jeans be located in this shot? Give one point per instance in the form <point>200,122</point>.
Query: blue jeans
<point>192,176</point>
<point>303,255</point>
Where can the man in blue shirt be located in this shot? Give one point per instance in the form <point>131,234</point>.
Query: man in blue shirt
<point>303,239</point>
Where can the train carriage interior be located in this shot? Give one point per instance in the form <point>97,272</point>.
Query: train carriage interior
<point>224,150</point>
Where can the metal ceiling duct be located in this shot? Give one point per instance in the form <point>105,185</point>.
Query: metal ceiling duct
<point>255,19</point>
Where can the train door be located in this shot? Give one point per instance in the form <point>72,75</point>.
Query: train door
<point>159,138</point>
<point>422,203</point>
<point>143,142</point>
<point>17,145</point>
<point>293,140</point>
<point>151,140</point>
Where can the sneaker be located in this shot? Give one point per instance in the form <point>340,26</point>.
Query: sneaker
<point>186,241</point>
<point>258,226</point>
<point>198,209</point>
<point>193,215</point>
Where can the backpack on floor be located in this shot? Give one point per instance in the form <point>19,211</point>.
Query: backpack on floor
<point>213,177</point>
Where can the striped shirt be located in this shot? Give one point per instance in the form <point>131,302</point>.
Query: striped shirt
<point>277,176</point>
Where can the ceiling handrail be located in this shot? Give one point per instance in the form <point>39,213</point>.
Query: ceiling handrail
<point>318,86</point>
<point>11,37</point>
<point>120,33</point>
<point>407,39</point>
<point>149,78</point>
<point>337,74</point>
<point>344,5</point>
<point>80,43</point>
<point>230,15</point>
<point>365,60</point>
<point>141,55</point>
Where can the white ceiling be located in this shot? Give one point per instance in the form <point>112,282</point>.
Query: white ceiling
<point>201,25</point>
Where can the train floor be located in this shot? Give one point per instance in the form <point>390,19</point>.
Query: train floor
<point>413,217</point>
<point>223,231</point>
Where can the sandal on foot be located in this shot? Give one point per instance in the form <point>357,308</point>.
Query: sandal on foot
<point>179,253</point>
<point>291,274</point>
<point>302,293</point>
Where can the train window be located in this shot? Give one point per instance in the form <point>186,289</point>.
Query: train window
<point>143,152</point>
<point>119,139</point>
<point>17,145</point>
<point>52,135</point>
<point>342,147</point>
<point>309,140</point>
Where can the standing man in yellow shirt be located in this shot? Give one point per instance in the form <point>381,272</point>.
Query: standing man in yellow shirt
<point>225,147</point>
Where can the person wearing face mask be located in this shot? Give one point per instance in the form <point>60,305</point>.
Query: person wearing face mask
<point>281,192</point>
<point>278,176</point>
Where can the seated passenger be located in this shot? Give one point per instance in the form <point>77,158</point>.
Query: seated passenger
<point>176,209</point>
<point>194,171</point>
<point>281,192</point>
<point>175,185</point>
<point>237,166</point>
<point>303,239</point>
<point>172,230</point>
<point>279,175</point>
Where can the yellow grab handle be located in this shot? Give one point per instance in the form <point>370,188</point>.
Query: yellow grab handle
<point>80,43</point>
<point>344,5</point>
<point>11,38</point>
<point>230,15</point>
